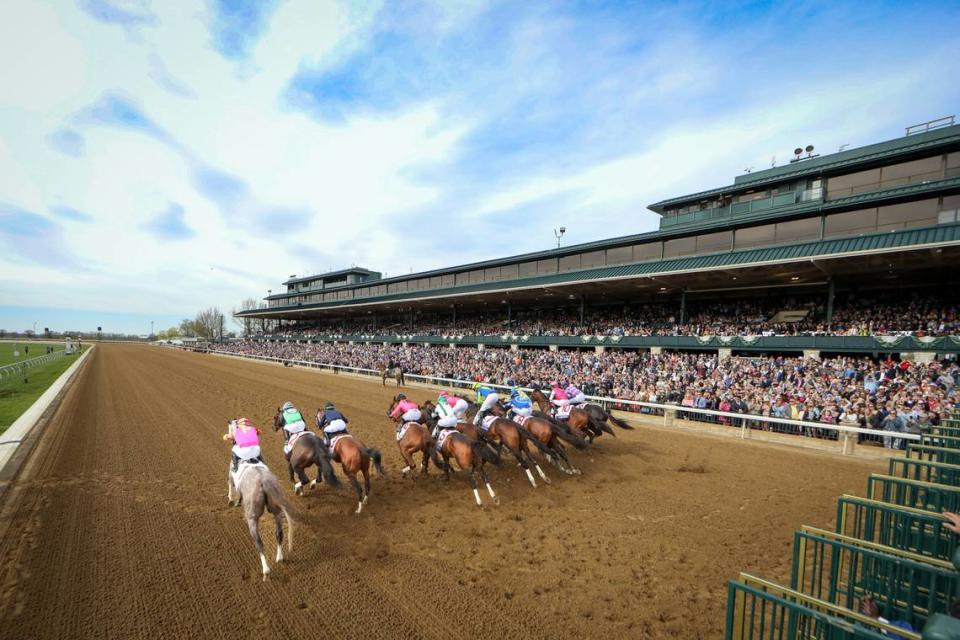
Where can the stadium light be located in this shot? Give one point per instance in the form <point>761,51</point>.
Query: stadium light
<point>559,234</point>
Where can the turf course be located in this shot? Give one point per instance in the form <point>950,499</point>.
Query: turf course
<point>16,396</point>
<point>27,350</point>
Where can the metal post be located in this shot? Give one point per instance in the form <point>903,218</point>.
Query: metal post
<point>454,315</point>
<point>831,290</point>
<point>509,313</point>
<point>683,306</point>
<point>582,301</point>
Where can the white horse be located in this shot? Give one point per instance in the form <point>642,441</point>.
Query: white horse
<point>259,489</point>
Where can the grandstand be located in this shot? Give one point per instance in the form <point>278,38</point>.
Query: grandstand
<point>850,252</point>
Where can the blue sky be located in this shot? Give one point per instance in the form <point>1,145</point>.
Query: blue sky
<point>157,158</point>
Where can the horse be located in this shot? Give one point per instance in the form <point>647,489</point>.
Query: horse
<point>579,421</point>
<point>507,433</point>
<point>307,450</point>
<point>470,455</point>
<point>355,458</point>
<point>416,437</point>
<point>392,372</point>
<point>259,489</point>
<point>602,416</point>
<point>547,435</point>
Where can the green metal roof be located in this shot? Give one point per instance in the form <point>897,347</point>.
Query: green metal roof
<point>851,158</point>
<point>941,234</point>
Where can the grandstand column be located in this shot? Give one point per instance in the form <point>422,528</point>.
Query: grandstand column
<point>831,290</point>
<point>553,347</point>
<point>480,347</point>
<point>811,353</point>
<point>404,344</point>
<point>656,350</point>
<point>350,342</point>
<point>922,356</point>
<point>583,300</point>
<point>683,306</point>
<point>724,352</point>
<point>453,346</point>
<point>848,442</point>
<point>514,347</point>
<point>599,349</point>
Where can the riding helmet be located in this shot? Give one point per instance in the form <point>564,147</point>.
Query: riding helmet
<point>328,406</point>
<point>287,405</point>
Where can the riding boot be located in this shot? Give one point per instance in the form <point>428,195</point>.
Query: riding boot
<point>236,462</point>
<point>479,419</point>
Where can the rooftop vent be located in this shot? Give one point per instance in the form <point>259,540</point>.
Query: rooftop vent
<point>930,125</point>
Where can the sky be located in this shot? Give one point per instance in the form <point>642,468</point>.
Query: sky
<point>158,158</point>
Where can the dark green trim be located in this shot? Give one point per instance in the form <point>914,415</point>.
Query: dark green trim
<point>940,234</point>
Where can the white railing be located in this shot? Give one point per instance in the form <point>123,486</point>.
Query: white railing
<point>18,368</point>
<point>846,435</point>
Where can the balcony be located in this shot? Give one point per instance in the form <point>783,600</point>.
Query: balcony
<point>739,209</point>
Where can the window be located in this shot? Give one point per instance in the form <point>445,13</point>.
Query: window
<point>752,237</point>
<point>920,213</point>
<point>526,269</point>
<point>547,266</point>
<point>912,172</point>
<point>593,259</point>
<point>476,277</point>
<point>953,164</point>
<point>714,242</point>
<point>435,282</point>
<point>852,183</point>
<point>570,263</point>
<point>492,274</point>
<point>509,272</point>
<point>463,278</point>
<point>448,280</point>
<point>851,223</point>
<point>647,251</point>
<point>397,287</point>
<point>680,247</point>
<point>753,195</point>
<point>620,255</point>
<point>798,230</point>
<point>949,210</point>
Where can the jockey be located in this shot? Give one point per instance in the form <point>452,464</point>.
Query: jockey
<point>292,423</point>
<point>459,405</point>
<point>246,441</point>
<point>520,403</point>
<point>405,410</point>
<point>574,395</point>
<point>558,397</point>
<point>332,423</point>
<point>487,398</point>
<point>447,415</point>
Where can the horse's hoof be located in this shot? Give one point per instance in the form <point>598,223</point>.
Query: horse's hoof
<point>365,498</point>
<point>313,484</point>
<point>359,508</point>
<point>496,501</point>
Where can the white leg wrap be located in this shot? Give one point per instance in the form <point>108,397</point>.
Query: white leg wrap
<point>264,565</point>
<point>279,553</point>
<point>490,491</point>
<point>476,496</point>
<point>530,476</point>
<point>359,507</point>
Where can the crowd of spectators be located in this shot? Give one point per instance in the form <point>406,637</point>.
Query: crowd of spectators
<point>894,396</point>
<point>853,315</point>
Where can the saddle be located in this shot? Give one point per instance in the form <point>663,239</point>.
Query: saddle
<point>486,422</point>
<point>518,418</point>
<point>402,429</point>
<point>243,467</point>
<point>442,438</point>
<point>335,441</point>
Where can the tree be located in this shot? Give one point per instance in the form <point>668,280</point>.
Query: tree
<point>246,322</point>
<point>209,324</point>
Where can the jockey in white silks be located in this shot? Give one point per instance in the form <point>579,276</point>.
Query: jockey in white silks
<point>447,414</point>
<point>574,396</point>
<point>332,423</point>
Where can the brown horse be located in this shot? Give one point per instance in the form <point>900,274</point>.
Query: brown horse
<point>395,372</point>
<point>471,456</point>
<point>579,421</point>
<point>307,450</point>
<point>416,437</point>
<point>355,458</point>
<point>506,433</point>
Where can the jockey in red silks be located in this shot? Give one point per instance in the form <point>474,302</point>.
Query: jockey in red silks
<point>405,410</point>
<point>246,441</point>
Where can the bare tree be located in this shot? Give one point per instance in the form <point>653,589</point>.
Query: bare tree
<point>209,324</point>
<point>248,323</point>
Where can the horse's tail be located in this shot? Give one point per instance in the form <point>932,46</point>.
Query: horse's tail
<point>535,440</point>
<point>600,425</point>
<point>323,461</point>
<point>620,422</point>
<point>271,488</point>
<point>568,437</point>
<point>435,456</point>
<point>486,453</point>
<point>375,456</point>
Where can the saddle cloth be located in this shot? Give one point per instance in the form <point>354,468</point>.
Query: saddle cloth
<point>242,469</point>
<point>444,434</point>
<point>562,414</point>
<point>520,419</point>
<point>402,430</point>
<point>486,422</point>
<point>335,440</point>
<point>288,447</point>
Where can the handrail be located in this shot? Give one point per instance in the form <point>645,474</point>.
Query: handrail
<point>15,367</point>
<point>605,401</point>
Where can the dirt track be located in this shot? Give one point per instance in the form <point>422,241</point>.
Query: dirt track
<point>118,526</point>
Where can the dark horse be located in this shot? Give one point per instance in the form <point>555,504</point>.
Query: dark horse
<point>547,435</point>
<point>504,432</point>
<point>416,437</point>
<point>307,450</point>
<point>355,458</point>
<point>471,455</point>
<point>392,372</point>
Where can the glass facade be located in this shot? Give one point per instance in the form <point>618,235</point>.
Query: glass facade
<point>894,175</point>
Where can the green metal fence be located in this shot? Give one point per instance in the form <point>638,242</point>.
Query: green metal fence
<point>913,493</point>
<point>914,530</point>
<point>925,470</point>
<point>950,442</point>
<point>840,570</point>
<point>944,430</point>
<point>761,610</point>
<point>935,454</point>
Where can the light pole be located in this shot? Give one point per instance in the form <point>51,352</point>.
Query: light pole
<point>559,234</point>
<point>151,328</point>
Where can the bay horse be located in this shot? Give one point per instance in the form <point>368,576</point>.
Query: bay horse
<point>547,436</point>
<point>416,437</point>
<point>471,454</point>
<point>579,421</point>
<point>392,372</point>
<point>307,450</point>
<point>355,458</point>
<point>507,433</point>
<point>259,490</point>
